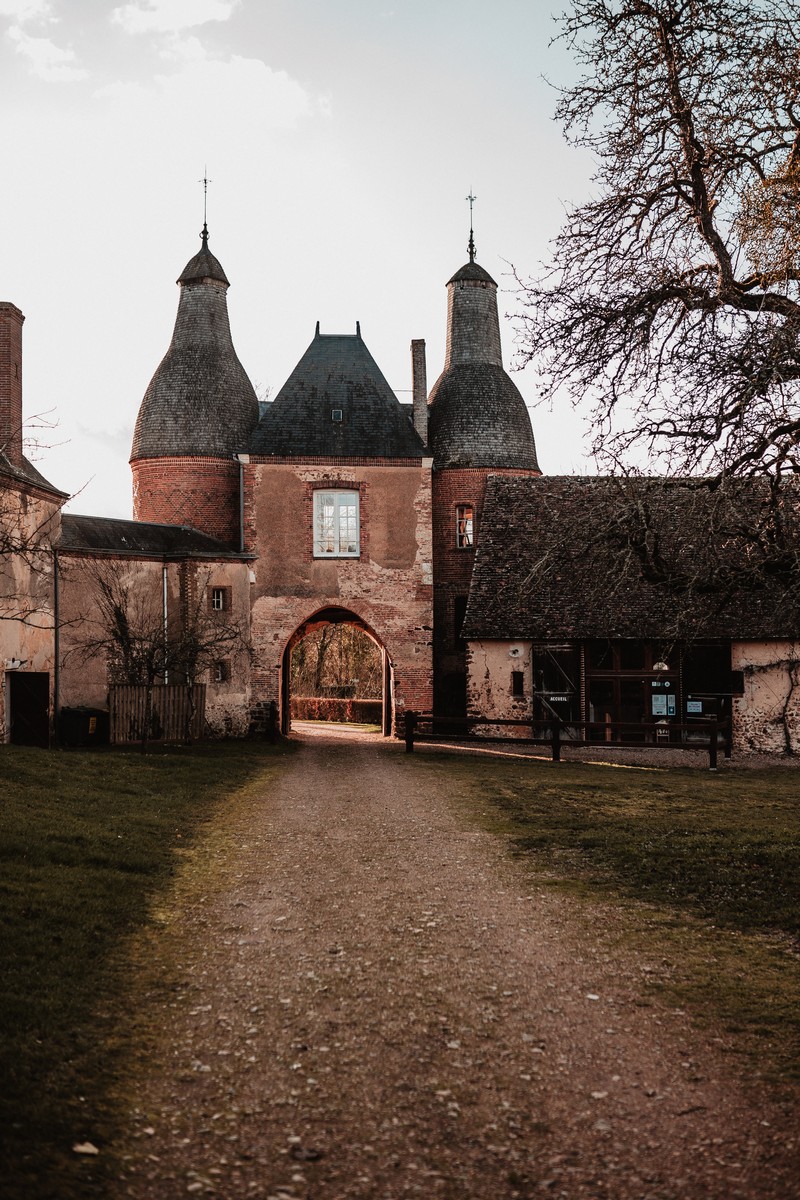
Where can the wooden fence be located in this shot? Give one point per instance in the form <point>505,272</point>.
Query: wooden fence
<point>710,736</point>
<point>170,717</point>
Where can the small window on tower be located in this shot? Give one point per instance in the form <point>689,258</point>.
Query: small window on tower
<point>464,526</point>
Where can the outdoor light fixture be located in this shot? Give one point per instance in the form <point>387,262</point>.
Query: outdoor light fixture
<point>660,666</point>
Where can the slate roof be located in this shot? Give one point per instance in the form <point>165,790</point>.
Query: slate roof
<point>200,401</point>
<point>551,563</point>
<point>471,271</point>
<point>337,373</point>
<point>203,266</point>
<point>112,535</point>
<point>477,418</point>
<point>25,472</point>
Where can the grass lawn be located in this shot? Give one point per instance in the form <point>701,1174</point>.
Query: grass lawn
<point>702,871</point>
<point>705,868</point>
<point>87,842</point>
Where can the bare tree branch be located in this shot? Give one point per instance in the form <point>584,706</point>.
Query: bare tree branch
<point>672,305</point>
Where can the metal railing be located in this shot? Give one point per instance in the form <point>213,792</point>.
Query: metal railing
<point>709,736</point>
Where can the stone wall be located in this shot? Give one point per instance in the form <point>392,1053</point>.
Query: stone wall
<point>84,676</point>
<point>388,588</point>
<point>766,719</point>
<point>29,521</point>
<point>490,685</point>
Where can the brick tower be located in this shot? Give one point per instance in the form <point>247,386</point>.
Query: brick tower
<point>198,411</point>
<point>478,426</point>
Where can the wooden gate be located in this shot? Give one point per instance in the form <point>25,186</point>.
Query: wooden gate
<point>171,718</point>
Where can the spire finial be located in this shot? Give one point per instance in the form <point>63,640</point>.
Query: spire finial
<point>471,246</point>
<point>205,182</point>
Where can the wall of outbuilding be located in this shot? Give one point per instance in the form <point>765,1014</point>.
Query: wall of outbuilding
<point>29,519</point>
<point>84,676</point>
<point>490,687</point>
<point>766,718</point>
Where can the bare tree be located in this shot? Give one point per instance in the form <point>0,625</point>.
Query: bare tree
<point>26,533</point>
<point>27,527</point>
<point>203,640</point>
<point>336,660</point>
<point>125,628</point>
<point>673,301</point>
<point>128,629</point>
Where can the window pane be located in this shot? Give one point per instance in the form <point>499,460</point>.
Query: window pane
<point>601,656</point>
<point>631,656</point>
<point>464,526</point>
<point>336,525</point>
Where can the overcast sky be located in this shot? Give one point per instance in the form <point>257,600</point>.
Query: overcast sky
<point>341,138</point>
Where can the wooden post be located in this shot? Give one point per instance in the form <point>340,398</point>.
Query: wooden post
<point>712,746</point>
<point>411,721</point>
<point>556,741</point>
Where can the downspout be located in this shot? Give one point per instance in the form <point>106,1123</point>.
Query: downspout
<point>166,616</point>
<point>56,650</point>
<point>241,459</point>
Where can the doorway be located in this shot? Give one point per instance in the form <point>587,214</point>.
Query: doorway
<point>29,705</point>
<point>335,669</point>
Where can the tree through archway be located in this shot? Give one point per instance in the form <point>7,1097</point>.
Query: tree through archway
<point>336,669</point>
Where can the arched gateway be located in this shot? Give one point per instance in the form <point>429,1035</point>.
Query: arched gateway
<point>334,618</point>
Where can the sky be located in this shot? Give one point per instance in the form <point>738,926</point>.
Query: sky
<point>340,139</point>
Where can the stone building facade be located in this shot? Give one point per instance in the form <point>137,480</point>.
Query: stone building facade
<point>429,526</point>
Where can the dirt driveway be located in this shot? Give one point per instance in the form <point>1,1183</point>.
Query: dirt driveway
<point>369,1000</point>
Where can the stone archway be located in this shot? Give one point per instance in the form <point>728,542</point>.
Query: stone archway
<point>326,618</point>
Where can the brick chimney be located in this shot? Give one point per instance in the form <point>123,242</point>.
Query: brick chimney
<point>419,388</point>
<point>11,382</point>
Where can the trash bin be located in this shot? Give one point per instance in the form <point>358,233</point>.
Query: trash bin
<point>83,726</point>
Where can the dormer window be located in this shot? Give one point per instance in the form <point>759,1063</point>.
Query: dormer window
<point>464,526</point>
<point>336,524</point>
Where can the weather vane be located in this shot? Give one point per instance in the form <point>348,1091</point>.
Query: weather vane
<point>472,200</point>
<point>205,182</point>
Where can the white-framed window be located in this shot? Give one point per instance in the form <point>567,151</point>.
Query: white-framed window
<point>464,526</point>
<point>219,599</point>
<point>336,524</point>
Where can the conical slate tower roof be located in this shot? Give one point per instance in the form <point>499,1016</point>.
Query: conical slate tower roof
<point>337,403</point>
<point>477,416</point>
<point>200,401</point>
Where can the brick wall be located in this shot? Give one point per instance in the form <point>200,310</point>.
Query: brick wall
<point>388,588</point>
<point>200,492</point>
<point>11,382</point>
<point>452,571</point>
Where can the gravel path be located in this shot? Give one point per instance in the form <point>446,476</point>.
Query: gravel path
<point>376,1003</point>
